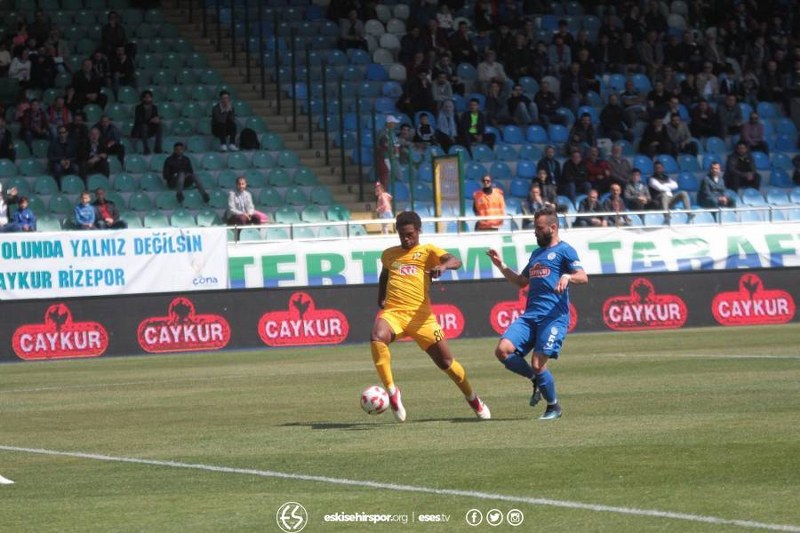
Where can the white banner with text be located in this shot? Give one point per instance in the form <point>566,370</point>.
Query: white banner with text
<point>95,263</point>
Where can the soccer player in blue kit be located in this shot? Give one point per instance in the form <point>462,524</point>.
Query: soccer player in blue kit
<point>543,325</point>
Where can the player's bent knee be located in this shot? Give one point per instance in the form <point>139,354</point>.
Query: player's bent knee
<point>504,350</point>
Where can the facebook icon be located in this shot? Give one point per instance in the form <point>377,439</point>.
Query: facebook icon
<point>474,517</point>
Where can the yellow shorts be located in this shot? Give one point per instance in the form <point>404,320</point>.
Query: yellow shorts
<point>419,325</point>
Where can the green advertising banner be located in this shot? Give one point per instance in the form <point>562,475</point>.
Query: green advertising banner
<point>602,251</point>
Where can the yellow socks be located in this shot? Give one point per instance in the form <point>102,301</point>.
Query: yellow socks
<point>459,377</point>
<point>382,359</point>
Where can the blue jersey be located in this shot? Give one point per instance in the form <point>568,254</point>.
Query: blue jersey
<point>544,268</point>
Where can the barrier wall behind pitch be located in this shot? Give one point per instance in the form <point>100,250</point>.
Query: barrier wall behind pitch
<point>323,316</point>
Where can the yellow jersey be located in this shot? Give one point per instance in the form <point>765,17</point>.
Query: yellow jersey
<point>409,278</point>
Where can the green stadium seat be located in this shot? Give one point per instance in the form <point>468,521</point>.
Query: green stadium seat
<point>338,212</point>
<point>213,162</point>
<point>270,197</point>
<point>312,213</point>
<point>48,223</point>
<point>22,185</point>
<point>304,176</point>
<point>93,113</point>
<point>250,234</point>
<point>135,164</point>
<point>331,232</point>
<point>166,200</point>
<point>156,163</point>
<point>118,112</point>
<point>22,150</point>
<point>197,144</point>
<point>60,204</point>
<point>37,205</point>
<point>357,230</point>
<point>150,181</point>
<point>155,219</point>
<point>176,94</point>
<point>182,46</point>
<point>286,215</point>
<point>183,127</point>
<point>32,167</point>
<point>113,196</point>
<point>133,220</point>
<point>287,159</point>
<point>227,180</point>
<point>45,186</point>
<point>218,200</point>
<point>97,180</point>
<point>256,124</point>
<point>321,196</point>
<point>127,95</point>
<point>40,147</point>
<point>182,219</point>
<point>207,218</point>
<point>72,184</point>
<point>271,141</point>
<point>194,110</point>
<point>140,201</point>
<point>172,61</point>
<point>168,111</point>
<point>238,161</point>
<point>256,179</point>
<point>192,199</point>
<point>210,77</point>
<point>296,196</point>
<point>124,183</point>
<point>8,168</point>
<point>263,159</point>
<point>277,234</point>
<point>304,232</point>
<point>196,60</point>
<point>201,93</point>
<point>279,178</point>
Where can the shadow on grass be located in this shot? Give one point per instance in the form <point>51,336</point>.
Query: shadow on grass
<point>366,426</point>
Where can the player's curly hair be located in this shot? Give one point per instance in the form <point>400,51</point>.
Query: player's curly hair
<point>408,217</point>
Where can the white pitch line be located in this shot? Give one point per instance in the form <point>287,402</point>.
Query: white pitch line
<point>5,481</point>
<point>418,489</point>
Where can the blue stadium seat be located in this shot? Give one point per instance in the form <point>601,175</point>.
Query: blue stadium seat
<point>530,152</point>
<point>643,163</point>
<point>537,134</point>
<point>688,182</point>
<point>506,152</point>
<point>526,169</point>
<point>761,160</point>
<point>670,165</point>
<point>500,170</point>
<point>513,135</point>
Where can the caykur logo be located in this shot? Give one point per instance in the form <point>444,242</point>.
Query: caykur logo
<point>644,309</point>
<point>450,318</point>
<point>59,337</point>
<point>504,313</point>
<point>183,330</point>
<point>753,304</point>
<point>303,324</point>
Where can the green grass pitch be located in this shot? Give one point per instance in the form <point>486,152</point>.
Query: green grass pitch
<point>703,423</point>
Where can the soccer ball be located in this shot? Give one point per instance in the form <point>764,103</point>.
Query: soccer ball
<point>374,400</point>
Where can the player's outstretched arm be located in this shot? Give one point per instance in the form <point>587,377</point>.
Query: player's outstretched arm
<point>446,262</point>
<point>578,277</point>
<point>511,276</point>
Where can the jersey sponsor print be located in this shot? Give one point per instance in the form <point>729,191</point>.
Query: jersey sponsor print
<point>504,313</point>
<point>644,309</point>
<point>183,330</point>
<point>753,304</point>
<point>59,337</point>
<point>303,324</point>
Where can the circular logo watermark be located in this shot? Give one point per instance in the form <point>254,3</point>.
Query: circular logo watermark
<point>515,517</point>
<point>494,517</point>
<point>474,517</point>
<point>291,517</point>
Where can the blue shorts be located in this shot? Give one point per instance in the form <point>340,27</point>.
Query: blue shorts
<point>543,336</point>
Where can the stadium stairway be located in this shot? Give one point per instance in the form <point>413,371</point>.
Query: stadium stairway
<point>297,141</point>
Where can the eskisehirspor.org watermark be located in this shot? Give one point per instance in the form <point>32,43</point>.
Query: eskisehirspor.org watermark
<point>370,518</point>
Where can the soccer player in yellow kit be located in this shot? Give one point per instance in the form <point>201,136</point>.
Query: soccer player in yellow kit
<point>406,310</point>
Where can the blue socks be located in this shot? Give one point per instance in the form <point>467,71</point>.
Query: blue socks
<point>547,385</point>
<point>519,365</point>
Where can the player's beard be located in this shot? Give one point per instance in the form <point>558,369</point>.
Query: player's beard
<point>544,240</point>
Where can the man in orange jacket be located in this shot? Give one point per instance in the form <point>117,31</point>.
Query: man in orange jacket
<point>488,202</point>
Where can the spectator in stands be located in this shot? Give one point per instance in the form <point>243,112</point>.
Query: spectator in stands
<point>418,93</point>
<point>615,204</point>
<point>122,69</point>
<point>111,139</point>
<point>771,83</point>
<point>658,101</point>
<point>620,166</point>
<point>651,51</point>
<point>179,174</point>
<point>705,122</point>
<point>752,134</point>
<point>92,156</point>
<point>749,88</point>
<point>85,213</point>
<point>664,191</point>
<point>517,63</point>
<point>101,68</point>
<point>7,150</point>
<point>352,33</point>
<point>488,201</point>
<point>442,90</point>
<point>573,88</point>
<point>5,57</point>
<point>606,54</point>
<point>496,106</point>
<point>388,142</point>
<point>679,136</point>
<point>40,28</point>
<point>728,83</point>
<point>740,169</point>
<point>490,70</point>
<point>62,155</point>
<point>547,103</point>
<point>582,136</point>
<point>532,204</point>
<point>71,99</point>
<point>590,205</point>
<point>550,164</point>
<point>462,48</point>
<point>574,178</point>
<point>434,38</point>
<point>61,50</point>
<point>673,108</point>
<point>23,220</point>
<point>598,171</point>
<point>20,67</point>
<point>547,185</point>
<point>521,108</point>
<point>612,121</point>
<point>472,126</point>
<point>485,15</point>
<point>559,56</point>
<point>106,214</point>
<point>445,19</point>
<point>712,193</point>
<point>444,63</point>
<point>383,206</point>
<point>730,116</point>
<point>6,200</point>
<point>43,69</point>
<point>634,103</point>
<point>58,115</point>
<point>447,125</point>
<point>637,194</point>
<point>630,61</point>
<point>88,86</point>
<point>707,83</point>
<point>223,122</point>
<point>78,130</point>
<point>113,34</point>
<point>425,134</point>
<point>34,124</point>
<point>655,139</point>
<point>241,209</point>
<point>147,122</point>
